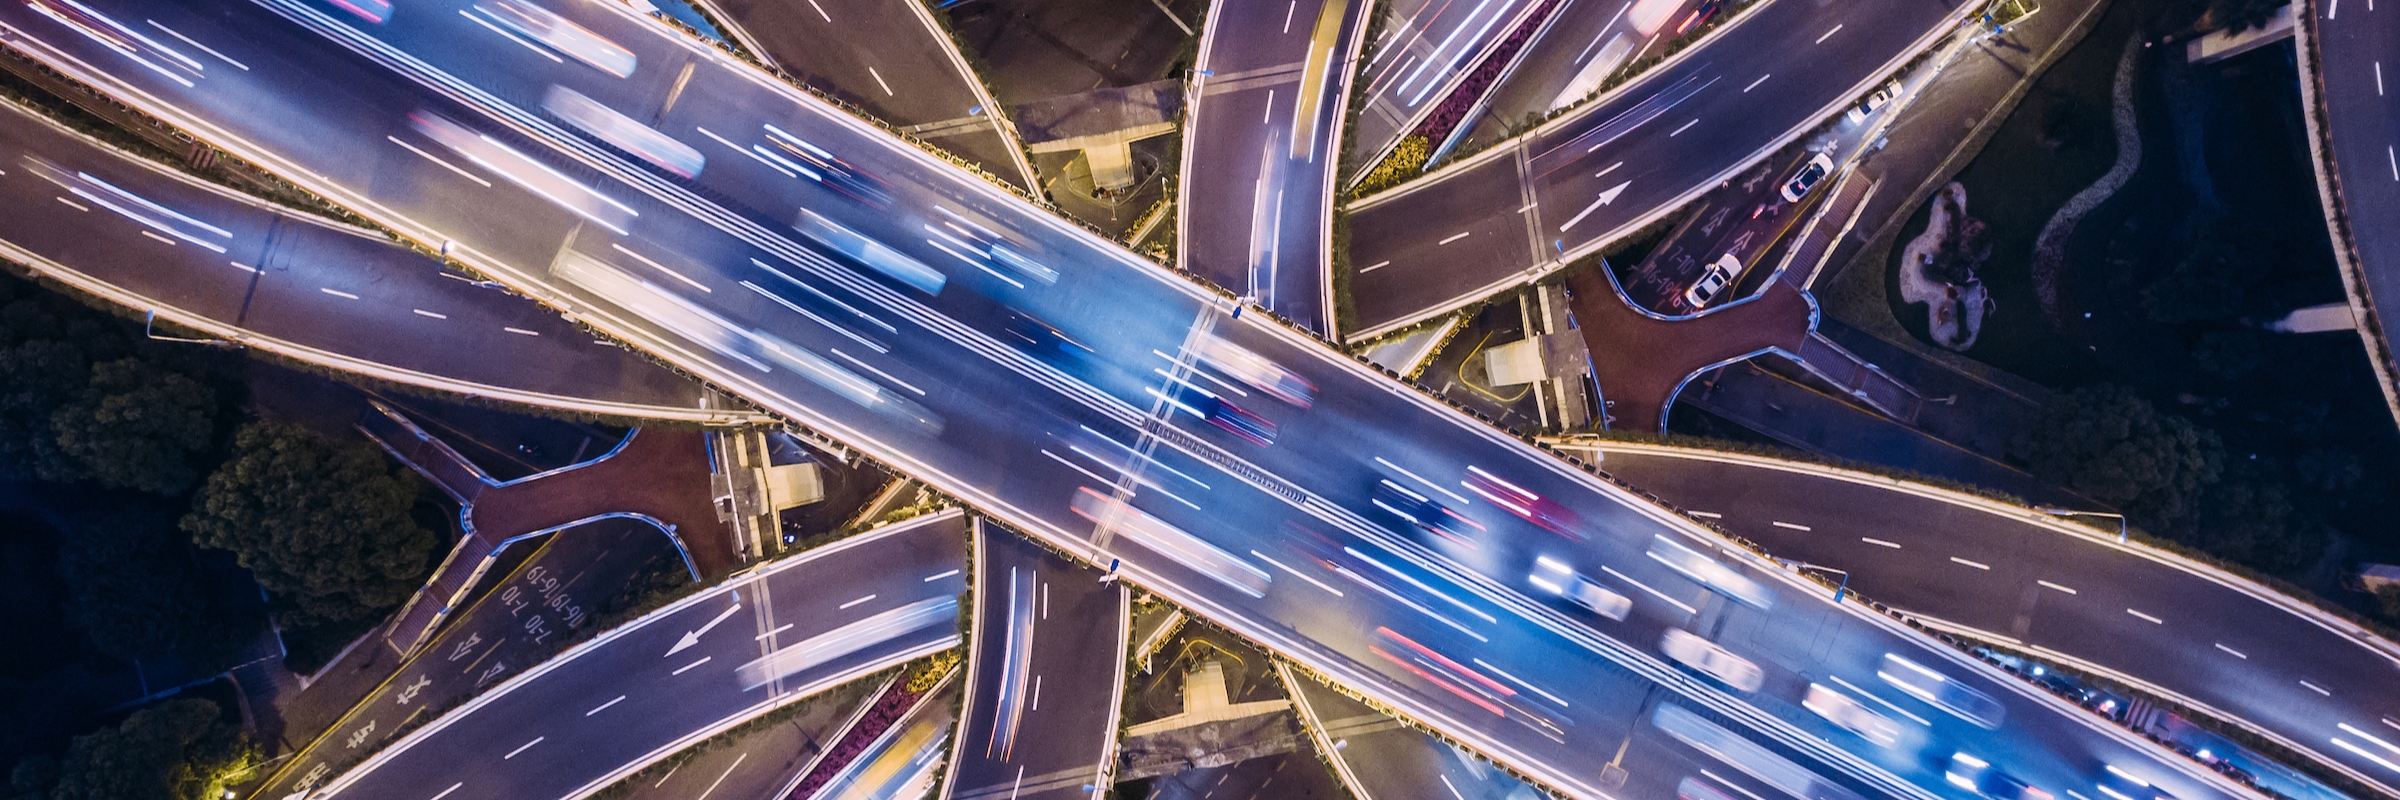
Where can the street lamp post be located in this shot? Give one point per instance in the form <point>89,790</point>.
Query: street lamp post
<point>1838,591</point>
<point>2068,512</point>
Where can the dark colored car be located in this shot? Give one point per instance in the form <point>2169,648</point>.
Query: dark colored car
<point>1040,340</point>
<point>1426,513</point>
<point>834,173</point>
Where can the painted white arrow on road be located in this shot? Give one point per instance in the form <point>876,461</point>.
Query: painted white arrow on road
<point>1606,198</point>
<point>693,638</point>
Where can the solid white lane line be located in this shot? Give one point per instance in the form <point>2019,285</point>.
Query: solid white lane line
<point>1754,84</point>
<point>424,313</point>
<point>1879,542</point>
<point>2152,620</point>
<point>522,331</point>
<point>2387,156</point>
<point>778,629</point>
<point>878,373</point>
<point>221,56</point>
<point>820,10</point>
<point>604,706</point>
<point>170,242</point>
<point>1707,514</point>
<point>1037,694</point>
<point>887,88</point>
<point>444,164</point>
<point>1783,524</point>
<point>337,293</point>
<point>1269,118</point>
<point>2060,587</point>
<point>1521,682</point>
<point>521,748</point>
<point>1462,499</point>
<point>1886,703</point>
<point>1528,206</point>
<point>1296,573</point>
<point>2371,737</point>
<point>1460,235</point>
<point>2366,755</point>
<point>1976,564</point>
<point>729,768</point>
<point>1653,592</point>
<point>75,205</point>
<point>1445,783</point>
<point>2315,688</point>
<point>745,151</point>
<point>512,37</point>
<point>1686,126</point>
<point>2378,79</point>
<point>846,606</point>
<point>687,667</point>
<point>1829,34</point>
<point>2394,725</point>
<point>1731,785</point>
<point>243,267</point>
<point>938,576</point>
<point>1611,168</point>
<point>1376,266</point>
<point>663,268</point>
<point>1288,10</point>
<point>446,792</point>
<point>2235,653</point>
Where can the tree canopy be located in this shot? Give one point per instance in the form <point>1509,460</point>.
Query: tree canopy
<point>2107,443</point>
<point>325,529</point>
<point>137,590</point>
<point>85,397</point>
<point>177,750</point>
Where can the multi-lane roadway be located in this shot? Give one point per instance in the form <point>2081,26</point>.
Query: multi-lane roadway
<point>2353,45</point>
<point>1530,205</point>
<point>796,281</point>
<point>640,692</point>
<point>2018,578</point>
<point>1040,713</point>
<point>1260,131</point>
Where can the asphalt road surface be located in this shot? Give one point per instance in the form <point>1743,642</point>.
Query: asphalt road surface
<point>2088,599</point>
<point>684,269</point>
<point>887,58</point>
<point>640,692</point>
<point>1258,161</point>
<point>1521,209</point>
<point>300,284</point>
<point>1048,666</point>
<point>2363,120</point>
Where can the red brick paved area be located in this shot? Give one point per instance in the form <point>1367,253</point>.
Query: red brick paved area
<point>1639,360</point>
<point>660,474</point>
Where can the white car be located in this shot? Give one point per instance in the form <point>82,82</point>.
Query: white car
<point>1851,715</point>
<point>1875,102</point>
<point>1818,166</point>
<point>1711,660</point>
<point>1712,282</point>
<point>1555,577</point>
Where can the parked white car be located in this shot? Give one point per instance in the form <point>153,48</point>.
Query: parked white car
<point>1875,102</point>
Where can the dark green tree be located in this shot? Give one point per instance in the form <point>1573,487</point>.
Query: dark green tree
<point>177,750</point>
<point>2251,520</point>
<point>2218,280</point>
<point>325,529</point>
<point>137,591</point>
<point>2387,600</point>
<point>2111,445</point>
<point>136,425</point>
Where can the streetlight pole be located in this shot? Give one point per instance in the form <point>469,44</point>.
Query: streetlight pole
<point>2068,512</point>
<point>1838,591</point>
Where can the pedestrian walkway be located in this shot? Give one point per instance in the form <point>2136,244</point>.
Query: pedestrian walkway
<point>1641,361</point>
<point>657,477</point>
